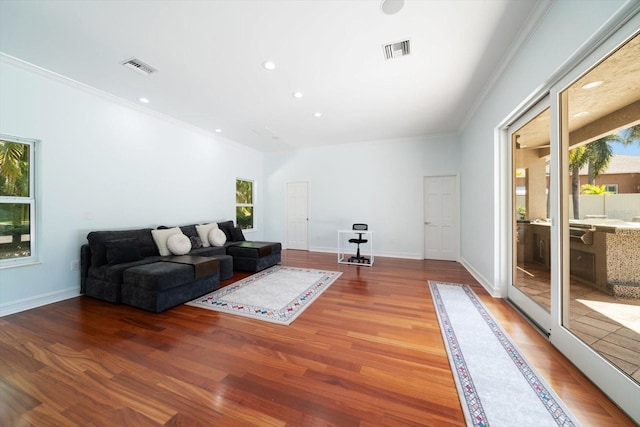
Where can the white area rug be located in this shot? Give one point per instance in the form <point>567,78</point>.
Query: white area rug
<point>496,384</point>
<point>278,294</point>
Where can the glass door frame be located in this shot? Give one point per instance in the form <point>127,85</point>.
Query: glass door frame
<point>619,386</point>
<point>526,305</point>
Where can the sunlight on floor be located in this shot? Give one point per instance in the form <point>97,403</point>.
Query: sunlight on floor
<point>624,314</point>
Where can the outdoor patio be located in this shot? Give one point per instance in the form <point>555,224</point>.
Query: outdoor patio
<point>609,325</point>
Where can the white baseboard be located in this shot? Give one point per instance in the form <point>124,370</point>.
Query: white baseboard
<point>38,301</point>
<point>403,255</point>
<point>481,279</point>
<point>475,273</point>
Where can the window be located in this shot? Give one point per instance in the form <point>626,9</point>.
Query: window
<point>17,200</point>
<point>611,188</point>
<point>244,204</point>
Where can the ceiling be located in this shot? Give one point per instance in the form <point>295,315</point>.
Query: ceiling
<point>209,57</point>
<point>604,100</point>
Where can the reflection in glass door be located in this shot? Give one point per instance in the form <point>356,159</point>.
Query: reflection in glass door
<point>600,117</point>
<point>530,286</point>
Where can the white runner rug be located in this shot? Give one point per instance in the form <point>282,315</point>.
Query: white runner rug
<point>496,384</point>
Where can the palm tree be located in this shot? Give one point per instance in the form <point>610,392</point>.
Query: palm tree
<point>14,179</point>
<point>578,158</point>
<point>596,155</point>
<point>631,134</point>
<point>600,152</point>
<point>14,169</point>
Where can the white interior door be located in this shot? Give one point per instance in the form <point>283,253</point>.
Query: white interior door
<point>297,215</point>
<point>441,218</point>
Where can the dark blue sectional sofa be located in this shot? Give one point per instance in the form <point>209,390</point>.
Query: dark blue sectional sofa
<point>125,266</point>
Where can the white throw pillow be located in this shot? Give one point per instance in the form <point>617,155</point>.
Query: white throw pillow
<point>217,237</point>
<point>160,238</point>
<point>203,232</point>
<point>179,244</point>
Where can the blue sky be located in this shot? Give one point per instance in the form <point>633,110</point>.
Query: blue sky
<point>629,150</point>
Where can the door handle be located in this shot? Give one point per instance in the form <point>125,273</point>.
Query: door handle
<point>427,223</point>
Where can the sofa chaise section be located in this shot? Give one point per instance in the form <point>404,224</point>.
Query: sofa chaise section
<point>164,284</point>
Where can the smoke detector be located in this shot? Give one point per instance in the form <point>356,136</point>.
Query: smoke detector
<point>396,50</point>
<point>136,65</point>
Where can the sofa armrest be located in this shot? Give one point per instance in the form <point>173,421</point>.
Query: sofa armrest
<point>85,263</point>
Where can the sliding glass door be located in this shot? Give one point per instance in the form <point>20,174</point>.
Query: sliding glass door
<point>573,209</point>
<point>599,141</point>
<point>530,284</point>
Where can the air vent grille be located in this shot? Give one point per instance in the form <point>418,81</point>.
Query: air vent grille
<point>396,50</point>
<point>136,65</point>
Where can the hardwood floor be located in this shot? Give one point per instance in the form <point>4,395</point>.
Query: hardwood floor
<point>367,352</point>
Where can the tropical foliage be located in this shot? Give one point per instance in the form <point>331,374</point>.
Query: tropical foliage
<point>14,169</point>
<point>631,134</point>
<point>244,204</point>
<point>14,213</point>
<point>596,155</point>
<point>593,189</point>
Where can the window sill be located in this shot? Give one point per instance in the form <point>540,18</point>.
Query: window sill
<point>18,264</point>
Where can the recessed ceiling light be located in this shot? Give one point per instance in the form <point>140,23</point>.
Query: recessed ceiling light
<point>317,114</point>
<point>269,65</point>
<point>581,114</point>
<point>297,94</point>
<point>144,100</point>
<point>391,7</point>
<point>218,130</point>
<point>592,84</point>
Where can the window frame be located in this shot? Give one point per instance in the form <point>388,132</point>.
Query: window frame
<point>251,205</point>
<point>31,200</point>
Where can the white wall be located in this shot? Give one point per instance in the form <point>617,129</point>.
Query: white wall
<point>378,183</point>
<point>568,24</point>
<point>103,164</point>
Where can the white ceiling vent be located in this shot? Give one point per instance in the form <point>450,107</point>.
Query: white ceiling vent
<point>396,50</point>
<point>265,131</point>
<point>136,65</point>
